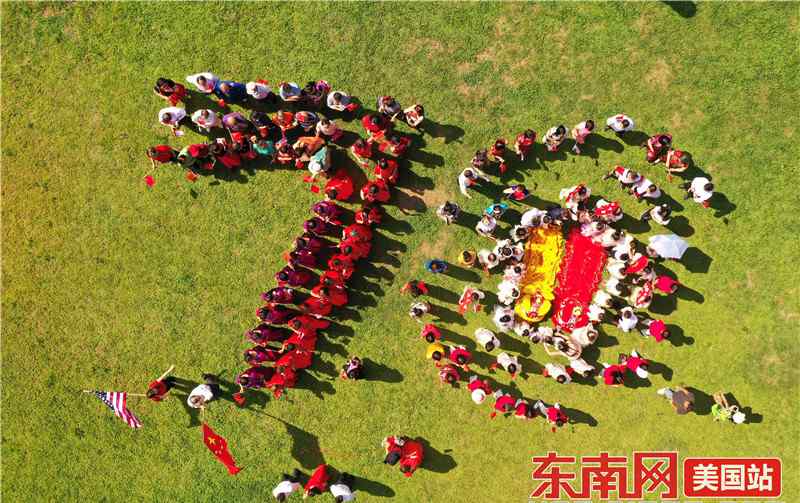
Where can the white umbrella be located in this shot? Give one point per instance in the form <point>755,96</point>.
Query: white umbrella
<point>668,245</point>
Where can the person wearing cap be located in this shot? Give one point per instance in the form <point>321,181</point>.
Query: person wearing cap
<point>682,399</point>
<point>342,489</point>
<point>700,190</point>
<point>470,177</point>
<point>204,393</point>
<point>287,485</point>
<point>478,389</point>
<point>620,124</point>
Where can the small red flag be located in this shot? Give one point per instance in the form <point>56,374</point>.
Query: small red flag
<point>239,399</point>
<point>191,176</point>
<point>219,447</point>
<point>149,180</point>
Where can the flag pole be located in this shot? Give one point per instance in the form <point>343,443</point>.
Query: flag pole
<point>129,394</point>
<point>168,372</point>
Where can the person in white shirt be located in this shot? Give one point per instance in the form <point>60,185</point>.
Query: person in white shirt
<point>554,137</point>
<point>624,176</point>
<point>503,318</point>
<point>557,372</point>
<point>700,189</point>
<point>518,252</point>
<point>487,339</point>
<point>486,226</point>
<point>542,333</point>
<point>523,329</point>
<point>616,268</point>
<point>580,366</point>
<point>260,91</point>
<point>172,117</point>
<point>608,211</point>
<point>488,260</point>
<point>593,229</point>
<point>615,287</point>
<point>660,214</point>
<point>203,393</point>
<point>287,486</point>
<point>514,272</point>
<point>342,489</point>
<point>414,115</point>
<point>580,133</point>
<point>595,313</point>
<point>507,292</point>
<point>645,188</point>
<point>610,237</point>
<point>503,250</point>
<point>289,91</point>
<point>584,336</point>
<point>470,177</point>
<point>620,124</point>
<point>574,196</point>
<point>418,310</point>
<point>509,363</point>
<point>204,82</point>
<point>532,218</point>
<point>519,233</point>
<point>627,320</point>
<point>205,119</point>
<point>338,100</point>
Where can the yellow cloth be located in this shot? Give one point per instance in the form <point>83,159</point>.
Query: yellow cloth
<point>433,348</point>
<point>543,253</point>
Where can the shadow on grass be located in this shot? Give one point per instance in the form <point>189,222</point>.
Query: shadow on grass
<point>680,225</point>
<point>577,416</point>
<point>696,261</point>
<point>461,274</point>
<point>434,129</point>
<point>436,461</point>
<point>374,371</point>
<point>442,294</point>
<point>373,488</point>
<point>683,8</point>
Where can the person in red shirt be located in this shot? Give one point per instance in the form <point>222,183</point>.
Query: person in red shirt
<point>281,380</point>
<point>259,354</point>
<point>460,356</point>
<point>318,306</point>
<point>666,285</point>
<point>369,214</point>
<point>161,154</point>
<point>614,375</point>
<point>285,155</point>
<point>478,389</point>
<point>362,151</point>
<point>357,231</point>
<point>499,152</point>
<point>318,483</point>
<point>339,186</point>
<point>264,334</point>
<point>285,121</point>
<point>157,390</point>
<point>448,374</point>
<point>524,143</point>
<point>226,155</point>
<point>415,288</point>
<point>296,359</point>
<point>412,454</point>
<point>553,413</point>
<point>354,249</point>
<point>396,145</point>
<point>523,410</point>
<point>375,191</point>
<point>341,264</point>
<point>171,91</point>
<point>635,363</point>
<point>387,170</point>
<point>656,329</point>
<point>657,145</point>
<point>503,403</point>
<point>430,333</point>
<point>375,124</point>
<point>393,445</point>
<point>334,292</point>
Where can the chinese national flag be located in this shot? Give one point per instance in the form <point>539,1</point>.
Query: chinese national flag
<point>219,447</point>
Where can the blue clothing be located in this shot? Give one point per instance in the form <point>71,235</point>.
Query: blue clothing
<point>501,207</point>
<point>237,92</point>
<point>436,266</point>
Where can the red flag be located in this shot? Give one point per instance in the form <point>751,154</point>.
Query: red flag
<point>149,180</point>
<point>239,399</point>
<point>191,176</point>
<point>219,447</point>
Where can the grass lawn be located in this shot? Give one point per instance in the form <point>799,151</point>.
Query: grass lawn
<point>106,282</point>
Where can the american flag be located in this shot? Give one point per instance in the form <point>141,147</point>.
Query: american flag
<point>116,401</point>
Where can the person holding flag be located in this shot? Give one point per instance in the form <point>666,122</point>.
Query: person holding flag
<point>287,485</point>
<point>318,483</point>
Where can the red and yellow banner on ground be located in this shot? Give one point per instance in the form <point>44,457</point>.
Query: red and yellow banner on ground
<point>542,259</point>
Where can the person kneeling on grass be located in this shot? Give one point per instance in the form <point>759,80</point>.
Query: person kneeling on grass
<point>287,485</point>
<point>342,489</point>
<point>204,393</point>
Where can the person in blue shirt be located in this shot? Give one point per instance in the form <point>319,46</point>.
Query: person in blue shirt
<point>436,266</point>
<point>229,91</point>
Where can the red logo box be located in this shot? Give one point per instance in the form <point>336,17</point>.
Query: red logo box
<point>732,477</point>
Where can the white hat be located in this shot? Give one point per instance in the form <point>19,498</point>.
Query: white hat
<point>738,417</point>
<point>478,396</point>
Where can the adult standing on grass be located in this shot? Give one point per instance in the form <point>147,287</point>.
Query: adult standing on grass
<point>524,143</point>
<point>700,189</point>
<point>554,137</point>
<point>229,92</point>
<point>620,124</point>
<point>470,177</point>
<point>172,117</point>
<point>204,82</point>
<point>580,133</point>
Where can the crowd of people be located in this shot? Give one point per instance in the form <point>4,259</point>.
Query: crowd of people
<point>303,134</point>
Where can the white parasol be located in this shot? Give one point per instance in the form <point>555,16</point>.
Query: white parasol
<point>669,245</point>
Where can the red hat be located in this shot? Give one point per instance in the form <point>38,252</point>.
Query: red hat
<point>607,209</point>
<point>638,265</point>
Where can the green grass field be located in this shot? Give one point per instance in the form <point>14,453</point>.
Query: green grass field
<point>106,282</point>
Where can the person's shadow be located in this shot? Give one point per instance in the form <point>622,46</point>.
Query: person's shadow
<point>677,337</point>
<point>702,401</point>
<point>577,416</point>
<point>680,226</point>
<point>372,487</point>
<point>696,261</point>
<point>375,371</point>
<point>683,8</point>
<point>436,461</point>
<point>434,129</point>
